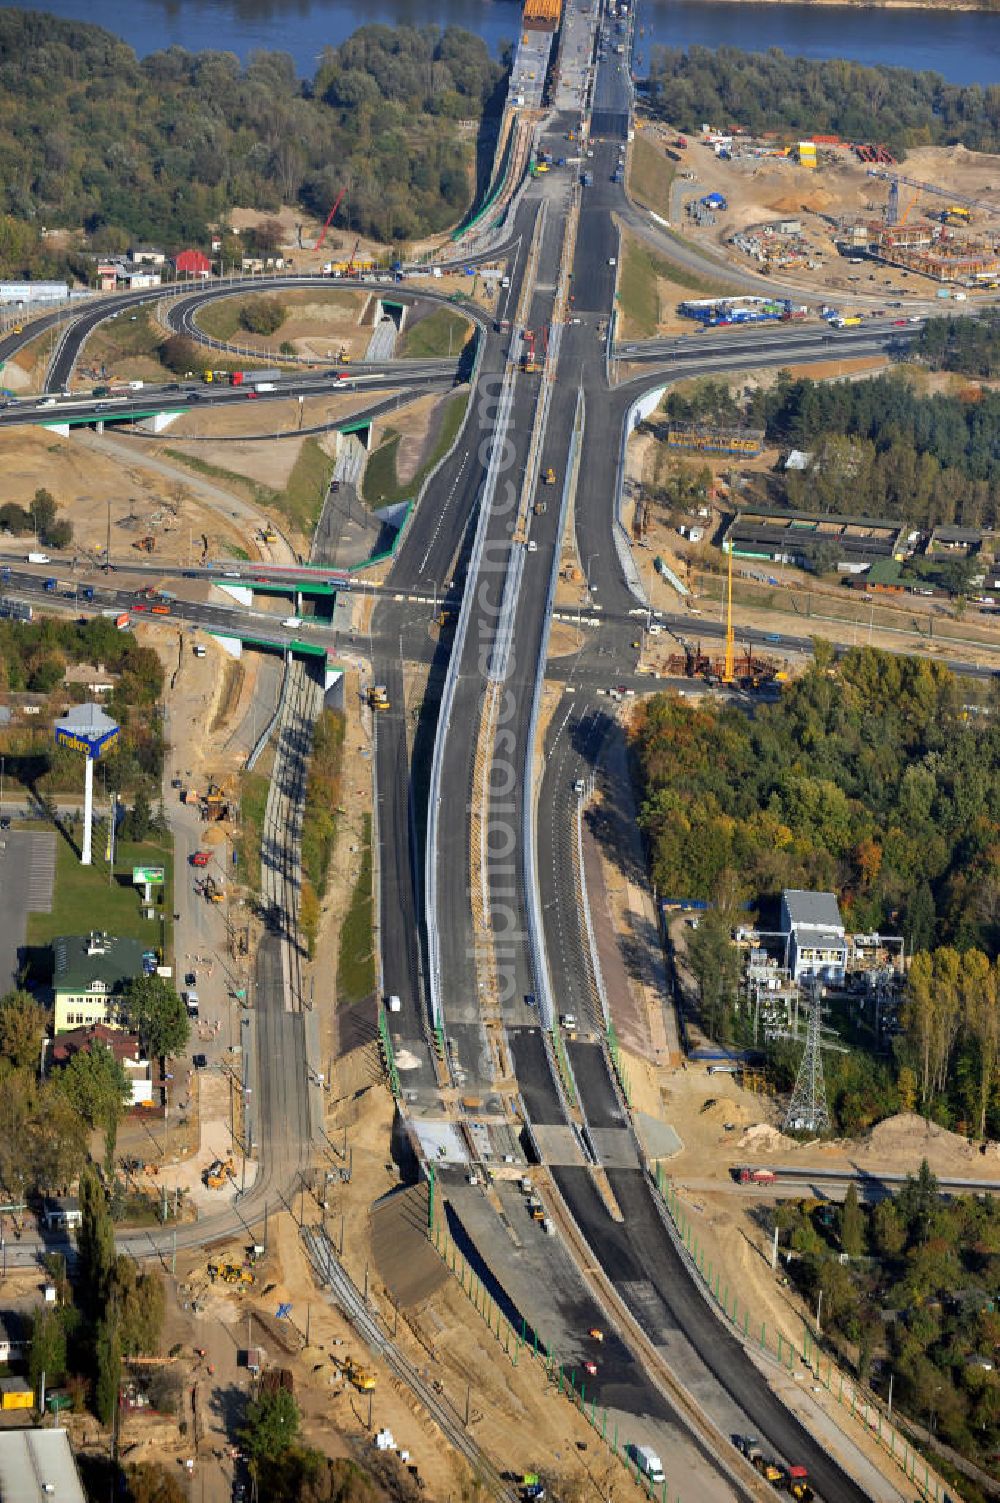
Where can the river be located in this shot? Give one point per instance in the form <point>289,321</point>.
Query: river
<point>964,46</point>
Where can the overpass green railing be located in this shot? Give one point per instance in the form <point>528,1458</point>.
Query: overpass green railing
<point>508,154</point>
<point>566,1074</point>
<point>748,1326</point>
<point>516,1340</point>
<point>614,1050</point>
<point>387,553</point>
<point>388,1052</point>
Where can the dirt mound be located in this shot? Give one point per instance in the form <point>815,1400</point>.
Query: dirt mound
<point>794,203</point>
<point>726,1110</point>
<point>906,1139</point>
<point>763,1138</point>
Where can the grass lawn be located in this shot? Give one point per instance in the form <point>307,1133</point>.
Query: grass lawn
<point>356,960</point>
<point>441,333</point>
<point>84,899</point>
<point>381,486</point>
<point>124,337</point>
<point>220,319</point>
<point>650,176</point>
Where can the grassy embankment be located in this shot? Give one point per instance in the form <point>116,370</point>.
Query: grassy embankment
<point>302,499</point>
<point>319,827</point>
<point>639,296</point>
<point>441,333</point>
<point>381,484</point>
<point>650,176</point>
<point>356,959</point>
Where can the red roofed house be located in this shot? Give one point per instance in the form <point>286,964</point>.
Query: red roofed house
<point>192,263</point>
<point>124,1046</point>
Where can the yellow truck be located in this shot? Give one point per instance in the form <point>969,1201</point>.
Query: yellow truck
<point>378,697</point>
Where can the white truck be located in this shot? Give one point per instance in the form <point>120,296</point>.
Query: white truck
<point>37,558</point>
<point>648,1463</point>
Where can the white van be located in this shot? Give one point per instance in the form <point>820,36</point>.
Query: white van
<point>291,622</point>
<point>191,1003</point>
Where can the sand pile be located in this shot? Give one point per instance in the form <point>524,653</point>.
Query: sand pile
<point>904,1140</point>
<point>763,1138</point>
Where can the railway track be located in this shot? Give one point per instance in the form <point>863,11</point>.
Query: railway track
<point>345,1292</point>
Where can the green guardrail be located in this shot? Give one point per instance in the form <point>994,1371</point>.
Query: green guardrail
<point>388,1053</point>
<point>614,1049</point>
<point>563,1064</point>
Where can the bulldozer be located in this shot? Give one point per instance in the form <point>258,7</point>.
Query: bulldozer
<point>231,1273</point>
<point>146,544</point>
<point>378,697</point>
<point>550,476</point>
<point>213,892</point>
<point>219,1173</point>
<point>362,1379</point>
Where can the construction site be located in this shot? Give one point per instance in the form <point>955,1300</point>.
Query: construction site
<point>817,210</point>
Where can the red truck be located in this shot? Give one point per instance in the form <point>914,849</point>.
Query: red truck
<point>747,1176</point>
<point>200,858</point>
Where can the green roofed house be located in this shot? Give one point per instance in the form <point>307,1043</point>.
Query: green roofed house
<point>91,972</point>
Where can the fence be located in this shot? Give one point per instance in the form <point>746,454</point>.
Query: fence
<point>517,1339</point>
<point>782,1349</point>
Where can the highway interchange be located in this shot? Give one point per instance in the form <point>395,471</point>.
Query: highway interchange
<point>482,935</point>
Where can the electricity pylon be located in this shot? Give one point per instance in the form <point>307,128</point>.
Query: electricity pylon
<point>807,1110</point>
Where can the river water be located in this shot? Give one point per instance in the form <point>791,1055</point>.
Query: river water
<point>964,46</point>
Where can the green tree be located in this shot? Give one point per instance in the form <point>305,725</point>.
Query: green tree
<point>139,816</point>
<point>271,1427</point>
<point>60,533</point>
<point>96,1244</point>
<point>262,315</point>
<point>155,1011</point>
<point>95,1084</point>
<point>107,1367</point>
<point>715,966</point>
<point>852,1224</point>
<point>47,1353</point>
<point>140,1302</point>
<point>43,510</point>
<point>22,1028</point>
<point>888,1230</point>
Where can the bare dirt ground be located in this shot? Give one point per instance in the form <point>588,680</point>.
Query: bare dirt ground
<point>85,472</point>
<point>762,190</point>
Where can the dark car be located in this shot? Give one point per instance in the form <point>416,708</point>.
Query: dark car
<point>191,978</point>
<point>200,1061</point>
<point>4,821</point>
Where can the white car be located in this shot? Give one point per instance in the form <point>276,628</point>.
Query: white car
<point>291,622</point>
<point>612,261</point>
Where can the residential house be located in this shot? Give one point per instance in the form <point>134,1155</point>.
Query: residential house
<point>61,1213</point>
<point>124,1046</point>
<point>192,263</point>
<point>147,255</point>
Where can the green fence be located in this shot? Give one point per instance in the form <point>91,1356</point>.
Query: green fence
<point>791,1354</point>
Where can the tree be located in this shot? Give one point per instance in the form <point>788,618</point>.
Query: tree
<point>107,1367</point>
<point>43,511</point>
<point>95,1242</point>
<point>272,1425</point>
<point>715,966</point>
<point>139,816</point>
<point>96,1085</point>
<point>140,1302</point>
<point>22,1028</point>
<point>47,1353</point>
<point>852,1224</point>
<point>151,1482</point>
<point>262,315</point>
<point>155,1011</point>
<point>60,533</point>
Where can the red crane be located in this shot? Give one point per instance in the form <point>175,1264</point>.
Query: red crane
<point>329,219</point>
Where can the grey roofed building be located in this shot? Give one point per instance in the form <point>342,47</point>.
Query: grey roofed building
<point>37,1465</point>
<point>817,947</point>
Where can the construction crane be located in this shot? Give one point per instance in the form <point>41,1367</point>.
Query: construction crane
<point>729,665</point>
<point>329,219</point>
<point>895,178</point>
<point>349,269</point>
